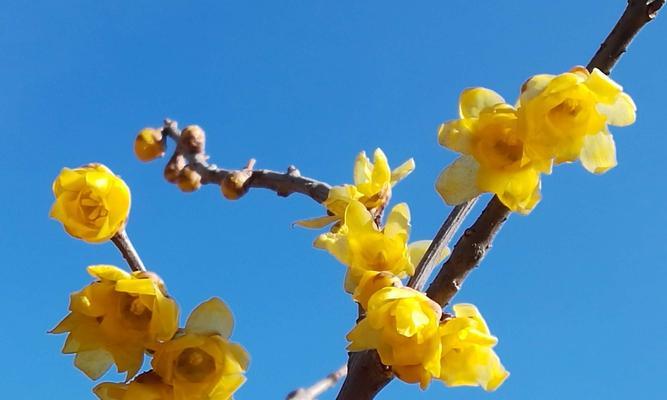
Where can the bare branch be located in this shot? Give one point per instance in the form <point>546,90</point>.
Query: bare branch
<point>440,241</point>
<point>283,183</point>
<point>367,376</point>
<point>637,14</point>
<point>124,245</point>
<point>318,387</point>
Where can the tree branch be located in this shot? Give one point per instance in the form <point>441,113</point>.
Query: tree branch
<point>367,376</point>
<point>127,250</point>
<point>194,157</point>
<point>440,241</point>
<point>318,387</point>
<point>637,14</point>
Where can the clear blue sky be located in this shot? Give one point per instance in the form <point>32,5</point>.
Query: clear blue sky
<point>575,291</point>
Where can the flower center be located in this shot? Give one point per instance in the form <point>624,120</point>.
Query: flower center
<point>134,313</point>
<point>195,364</point>
<point>92,207</point>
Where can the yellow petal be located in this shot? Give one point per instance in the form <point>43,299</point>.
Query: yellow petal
<point>357,217</point>
<point>418,249</point>
<point>474,100</point>
<point>211,317</point>
<point>403,170</point>
<point>534,86</point>
<point>457,183</point>
<point>455,135</point>
<point>599,153</point>
<point>136,286</point>
<point>622,112</point>
<point>317,223</point>
<point>398,221</point>
<point>110,391</point>
<point>362,169</point>
<point>94,363</point>
<point>605,89</point>
<point>107,272</point>
<point>381,172</point>
<point>362,337</point>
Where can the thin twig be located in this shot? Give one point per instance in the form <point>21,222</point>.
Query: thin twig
<point>367,376</point>
<point>319,387</point>
<point>440,241</point>
<point>124,245</point>
<point>283,183</point>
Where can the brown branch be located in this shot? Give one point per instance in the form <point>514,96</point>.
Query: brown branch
<point>367,376</point>
<point>189,155</point>
<point>637,14</point>
<point>127,250</point>
<point>319,387</point>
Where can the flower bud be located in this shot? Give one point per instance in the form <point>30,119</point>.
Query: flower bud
<point>174,167</point>
<point>234,185</point>
<point>149,145</point>
<point>189,180</point>
<point>193,139</point>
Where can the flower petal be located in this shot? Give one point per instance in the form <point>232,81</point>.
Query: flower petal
<point>398,221</point>
<point>473,100</point>
<point>599,153</point>
<point>93,363</point>
<point>318,222</point>
<point>622,112</point>
<point>455,135</point>
<point>457,183</point>
<point>418,249</point>
<point>107,272</point>
<point>403,170</point>
<point>211,317</point>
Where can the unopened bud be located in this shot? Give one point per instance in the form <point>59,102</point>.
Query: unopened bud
<point>192,139</point>
<point>189,180</point>
<point>148,144</point>
<point>234,185</point>
<point>174,167</point>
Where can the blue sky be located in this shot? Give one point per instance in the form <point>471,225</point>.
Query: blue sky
<point>575,291</point>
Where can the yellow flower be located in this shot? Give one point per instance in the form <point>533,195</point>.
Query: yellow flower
<point>201,363</point>
<point>149,144</point>
<point>372,187</point>
<point>91,202</point>
<point>370,283</point>
<point>115,319</point>
<point>468,358</point>
<point>360,245</point>
<point>402,324</point>
<point>493,159</point>
<point>147,386</point>
<point>566,116</point>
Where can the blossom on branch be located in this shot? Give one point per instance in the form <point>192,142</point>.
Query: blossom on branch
<point>200,363</point>
<point>468,358</point>
<point>115,319</point>
<point>91,202</point>
<point>494,158</point>
<point>565,117</point>
<point>402,324</point>
<point>147,386</point>
<point>373,182</point>
<point>362,246</point>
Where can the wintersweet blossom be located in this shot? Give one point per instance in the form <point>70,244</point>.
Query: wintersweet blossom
<point>91,202</point>
<point>468,358</point>
<point>493,154</point>
<point>200,363</point>
<point>360,245</point>
<point>565,117</point>
<point>115,319</point>
<point>373,182</point>
<point>402,324</point>
<point>147,386</point>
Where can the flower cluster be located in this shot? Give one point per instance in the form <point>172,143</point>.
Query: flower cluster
<point>505,149</point>
<point>403,325</point>
<point>121,316</point>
